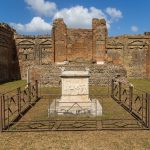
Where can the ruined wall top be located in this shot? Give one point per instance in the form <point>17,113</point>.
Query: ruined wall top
<point>6,27</point>
<point>147,33</point>
<point>59,22</point>
<point>19,36</point>
<point>96,21</point>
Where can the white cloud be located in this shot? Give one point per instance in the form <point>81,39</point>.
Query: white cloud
<point>114,13</point>
<point>79,16</point>
<point>74,17</point>
<point>134,29</point>
<point>37,24</point>
<point>42,7</point>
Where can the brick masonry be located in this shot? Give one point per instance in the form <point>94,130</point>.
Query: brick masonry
<point>9,66</point>
<point>79,44</point>
<point>125,55</point>
<point>49,75</point>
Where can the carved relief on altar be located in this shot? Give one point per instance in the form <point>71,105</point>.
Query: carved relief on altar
<point>78,86</point>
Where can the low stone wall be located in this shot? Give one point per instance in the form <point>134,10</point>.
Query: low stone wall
<point>49,75</point>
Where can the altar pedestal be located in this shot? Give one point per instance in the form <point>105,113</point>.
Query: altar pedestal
<point>75,95</point>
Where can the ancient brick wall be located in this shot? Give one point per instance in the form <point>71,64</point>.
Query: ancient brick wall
<point>8,59</point>
<point>59,36</point>
<point>79,45</point>
<point>33,50</point>
<point>99,74</point>
<point>131,51</point>
<point>85,45</point>
<point>148,59</point>
<point>99,39</point>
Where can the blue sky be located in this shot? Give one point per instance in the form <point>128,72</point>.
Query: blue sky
<point>36,16</point>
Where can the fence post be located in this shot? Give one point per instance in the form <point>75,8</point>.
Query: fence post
<point>19,99</point>
<point>112,87</point>
<point>29,96</point>
<point>37,91</point>
<point>130,96</point>
<point>1,113</point>
<point>148,110</point>
<point>120,84</point>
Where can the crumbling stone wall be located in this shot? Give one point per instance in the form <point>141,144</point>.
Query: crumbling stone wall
<point>131,51</point>
<point>49,75</point>
<point>79,44</point>
<point>59,36</point>
<point>8,59</point>
<point>86,45</point>
<point>33,50</point>
<point>99,39</point>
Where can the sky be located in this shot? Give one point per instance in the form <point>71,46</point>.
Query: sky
<point>33,17</point>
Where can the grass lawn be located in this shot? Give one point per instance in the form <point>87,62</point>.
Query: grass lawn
<point>75,140</point>
<point>141,84</point>
<point>6,87</point>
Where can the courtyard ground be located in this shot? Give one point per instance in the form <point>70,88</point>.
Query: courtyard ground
<point>75,140</point>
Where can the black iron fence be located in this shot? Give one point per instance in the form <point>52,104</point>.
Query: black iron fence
<point>51,114</point>
<point>135,101</point>
<point>14,104</point>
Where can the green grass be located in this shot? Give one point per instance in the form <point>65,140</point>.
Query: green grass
<point>94,90</point>
<point>99,90</point>
<point>141,84</point>
<point>86,140</point>
<point>111,110</point>
<point>138,83</point>
<point>11,85</point>
<point>108,105</point>
<point>50,90</point>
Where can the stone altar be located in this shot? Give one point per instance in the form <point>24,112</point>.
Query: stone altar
<point>75,86</point>
<point>75,95</point>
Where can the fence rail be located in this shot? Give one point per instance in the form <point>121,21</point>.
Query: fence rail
<point>46,115</point>
<point>13,105</point>
<point>135,101</point>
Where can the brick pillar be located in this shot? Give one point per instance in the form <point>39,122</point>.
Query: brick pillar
<point>99,40</point>
<point>59,37</point>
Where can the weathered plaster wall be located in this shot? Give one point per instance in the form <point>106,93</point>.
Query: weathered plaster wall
<point>132,51</point>
<point>33,50</point>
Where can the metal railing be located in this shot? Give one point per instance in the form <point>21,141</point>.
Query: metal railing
<point>14,104</point>
<point>136,102</point>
